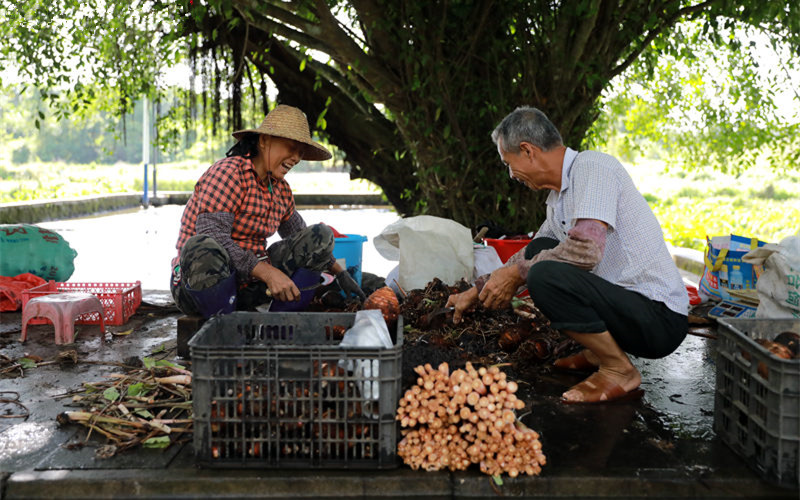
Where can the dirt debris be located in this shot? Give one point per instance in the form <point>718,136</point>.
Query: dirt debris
<point>519,337</point>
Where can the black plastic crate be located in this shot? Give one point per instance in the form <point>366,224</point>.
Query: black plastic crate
<point>273,390</point>
<point>757,400</point>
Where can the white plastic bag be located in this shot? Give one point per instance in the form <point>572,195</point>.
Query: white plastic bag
<point>779,284</point>
<point>368,330</point>
<point>427,247</point>
<point>486,261</point>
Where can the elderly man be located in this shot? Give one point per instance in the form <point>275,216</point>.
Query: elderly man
<point>598,268</point>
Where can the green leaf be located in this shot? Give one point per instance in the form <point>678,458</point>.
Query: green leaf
<point>517,302</point>
<point>143,413</point>
<point>149,363</point>
<point>498,480</point>
<point>302,64</point>
<point>164,362</point>
<point>135,389</point>
<point>26,363</point>
<point>156,442</point>
<point>111,394</point>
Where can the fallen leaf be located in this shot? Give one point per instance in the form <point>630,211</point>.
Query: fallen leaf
<point>111,394</point>
<point>135,389</point>
<point>144,413</point>
<point>164,362</point>
<point>156,442</point>
<point>26,363</point>
<point>70,355</point>
<point>126,332</point>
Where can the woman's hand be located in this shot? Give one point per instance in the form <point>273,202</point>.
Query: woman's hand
<point>279,285</point>
<point>462,302</point>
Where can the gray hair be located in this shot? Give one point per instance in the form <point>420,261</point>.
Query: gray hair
<point>529,125</point>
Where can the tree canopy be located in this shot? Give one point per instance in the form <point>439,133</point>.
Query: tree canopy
<point>410,90</point>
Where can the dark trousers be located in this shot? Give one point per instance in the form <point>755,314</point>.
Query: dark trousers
<point>579,301</point>
<point>204,263</point>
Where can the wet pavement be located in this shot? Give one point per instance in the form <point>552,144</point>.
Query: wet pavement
<point>663,446</point>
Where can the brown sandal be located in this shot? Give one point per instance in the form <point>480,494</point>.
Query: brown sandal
<point>598,388</point>
<point>575,363</point>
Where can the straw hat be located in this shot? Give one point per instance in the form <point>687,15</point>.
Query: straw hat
<point>290,123</point>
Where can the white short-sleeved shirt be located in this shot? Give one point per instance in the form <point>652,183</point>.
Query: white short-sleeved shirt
<point>595,185</point>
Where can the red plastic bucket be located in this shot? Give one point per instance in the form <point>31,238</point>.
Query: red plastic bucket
<point>506,248</point>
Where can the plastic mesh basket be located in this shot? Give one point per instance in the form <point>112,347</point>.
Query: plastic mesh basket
<point>277,390</point>
<point>757,399</point>
<point>120,300</point>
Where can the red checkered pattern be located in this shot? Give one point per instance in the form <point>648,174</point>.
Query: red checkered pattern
<point>232,185</point>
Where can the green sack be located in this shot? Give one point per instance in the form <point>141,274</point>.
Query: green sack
<point>25,248</point>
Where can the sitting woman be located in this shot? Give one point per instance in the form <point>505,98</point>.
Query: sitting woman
<point>223,263</point>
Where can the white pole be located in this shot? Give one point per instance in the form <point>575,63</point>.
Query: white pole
<point>145,131</point>
<point>145,148</point>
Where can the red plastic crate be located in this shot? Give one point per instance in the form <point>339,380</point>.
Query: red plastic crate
<point>120,300</point>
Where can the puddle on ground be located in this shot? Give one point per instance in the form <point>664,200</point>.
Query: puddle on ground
<point>678,405</point>
<point>23,439</point>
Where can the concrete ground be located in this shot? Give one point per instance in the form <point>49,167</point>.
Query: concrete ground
<point>663,446</point>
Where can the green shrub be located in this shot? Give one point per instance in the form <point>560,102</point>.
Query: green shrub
<point>770,193</point>
<point>651,198</point>
<point>689,192</point>
<point>702,176</point>
<point>21,155</point>
<point>726,191</point>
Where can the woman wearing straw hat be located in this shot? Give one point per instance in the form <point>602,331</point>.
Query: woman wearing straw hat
<point>240,201</point>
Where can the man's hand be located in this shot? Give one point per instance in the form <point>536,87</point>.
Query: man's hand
<point>279,285</point>
<point>462,302</point>
<point>349,285</point>
<point>501,287</point>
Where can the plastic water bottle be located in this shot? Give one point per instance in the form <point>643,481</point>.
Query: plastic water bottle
<point>736,279</point>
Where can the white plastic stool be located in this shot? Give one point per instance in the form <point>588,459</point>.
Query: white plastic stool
<point>62,309</point>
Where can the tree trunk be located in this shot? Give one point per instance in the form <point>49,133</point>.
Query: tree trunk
<point>445,73</point>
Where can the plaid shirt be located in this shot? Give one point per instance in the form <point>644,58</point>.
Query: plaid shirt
<point>231,186</point>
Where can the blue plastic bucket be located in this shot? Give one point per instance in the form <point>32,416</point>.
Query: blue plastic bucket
<point>347,252</point>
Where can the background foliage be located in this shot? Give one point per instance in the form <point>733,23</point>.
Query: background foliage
<point>410,90</point>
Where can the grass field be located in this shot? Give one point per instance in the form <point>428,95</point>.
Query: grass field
<point>36,181</point>
<point>759,203</point>
<point>691,205</point>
